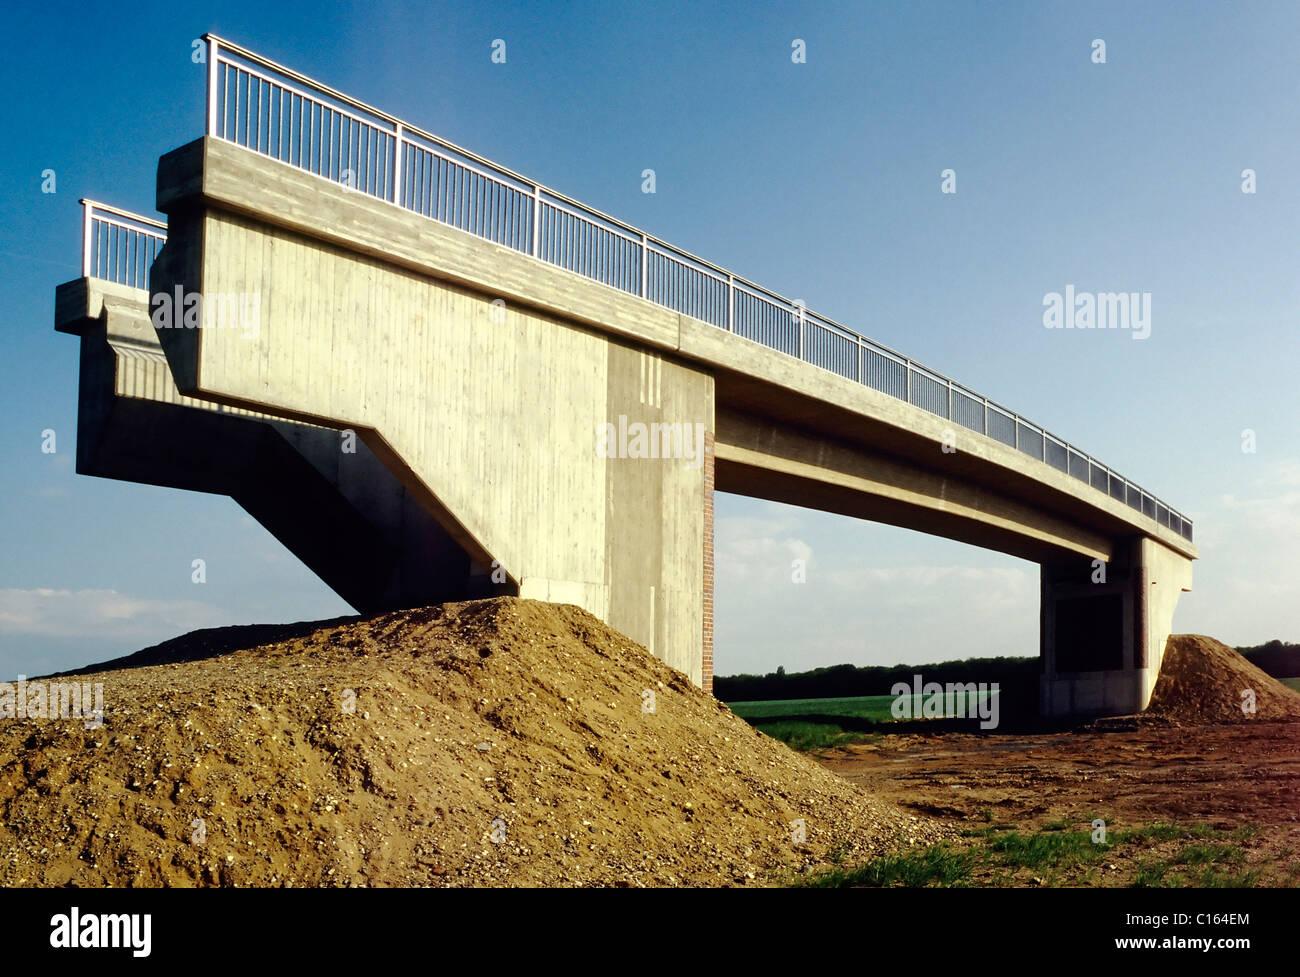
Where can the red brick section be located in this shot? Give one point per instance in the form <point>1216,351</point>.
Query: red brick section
<point>708,562</point>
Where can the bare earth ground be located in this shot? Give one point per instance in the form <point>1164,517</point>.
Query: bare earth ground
<point>1166,766</point>
<point>509,718</point>
<point>510,742</point>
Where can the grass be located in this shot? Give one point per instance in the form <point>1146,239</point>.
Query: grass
<point>809,724</point>
<point>1199,855</point>
<point>1210,855</point>
<point>870,707</point>
<point>1155,833</point>
<point>1204,865</point>
<point>1291,683</point>
<point>803,736</point>
<point>875,708</point>
<point>1044,849</point>
<point>1172,874</point>
<point>837,852</point>
<point>937,865</point>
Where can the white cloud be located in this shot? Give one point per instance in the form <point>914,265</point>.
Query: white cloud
<point>873,594</point>
<point>760,551</point>
<point>101,614</point>
<point>765,559</point>
<point>875,615</point>
<point>1247,588</point>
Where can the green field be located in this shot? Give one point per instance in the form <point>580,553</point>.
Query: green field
<point>872,707</point>
<point>810,724</point>
<point>1292,683</point>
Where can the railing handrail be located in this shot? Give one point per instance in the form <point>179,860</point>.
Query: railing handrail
<point>635,233</point>
<point>389,127</point>
<point>129,235</point>
<point>119,212</point>
<point>499,169</point>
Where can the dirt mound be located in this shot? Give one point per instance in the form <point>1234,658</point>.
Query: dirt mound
<point>489,742</point>
<point>1203,681</point>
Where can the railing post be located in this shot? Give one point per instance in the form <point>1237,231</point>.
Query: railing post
<point>798,306</point>
<point>907,380</point>
<point>397,164</point>
<point>645,262</point>
<point>537,222</point>
<point>986,416</point>
<point>949,414</point>
<point>213,49</point>
<point>731,303</point>
<point>87,222</point>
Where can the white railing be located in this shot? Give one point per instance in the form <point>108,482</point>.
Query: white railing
<point>118,246</point>
<point>273,110</point>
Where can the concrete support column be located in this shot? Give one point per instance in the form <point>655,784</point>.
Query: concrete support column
<point>1104,628</point>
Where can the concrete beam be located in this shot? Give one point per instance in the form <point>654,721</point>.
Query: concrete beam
<point>338,511</point>
<point>764,460</point>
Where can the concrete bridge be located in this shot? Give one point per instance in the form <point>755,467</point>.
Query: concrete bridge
<point>433,379</point>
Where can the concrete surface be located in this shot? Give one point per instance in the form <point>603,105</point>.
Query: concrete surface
<point>479,377</point>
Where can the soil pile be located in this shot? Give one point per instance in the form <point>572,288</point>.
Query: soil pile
<point>1203,680</point>
<point>498,742</point>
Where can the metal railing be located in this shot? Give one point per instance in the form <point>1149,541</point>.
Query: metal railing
<point>268,108</point>
<point>118,246</point>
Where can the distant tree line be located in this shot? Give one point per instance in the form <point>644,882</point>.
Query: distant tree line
<point>1013,675</point>
<point>1016,677</point>
<point>1279,659</point>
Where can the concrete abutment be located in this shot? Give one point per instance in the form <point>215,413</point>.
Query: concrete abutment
<point>1104,627</point>
<point>562,458</point>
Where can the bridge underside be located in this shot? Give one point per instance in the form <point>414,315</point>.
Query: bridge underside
<point>479,382</point>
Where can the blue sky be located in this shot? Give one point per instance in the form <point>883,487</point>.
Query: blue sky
<point>820,180</point>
